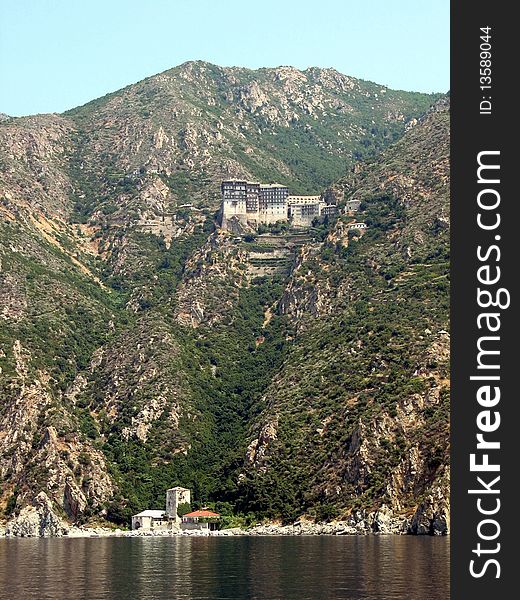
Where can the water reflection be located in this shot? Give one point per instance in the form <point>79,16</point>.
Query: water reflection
<point>283,568</point>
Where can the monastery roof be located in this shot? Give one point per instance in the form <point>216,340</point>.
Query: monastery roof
<point>156,514</point>
<point>236,180</point>
<point>202,513</point>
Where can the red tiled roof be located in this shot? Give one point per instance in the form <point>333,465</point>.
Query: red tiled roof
<point>201,513</point>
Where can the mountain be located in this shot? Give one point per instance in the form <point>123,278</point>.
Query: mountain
<point>142,347</point>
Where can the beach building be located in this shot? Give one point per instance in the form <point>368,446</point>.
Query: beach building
<point>164,519</point>
<point>201,520</point>
<point>150,519</point>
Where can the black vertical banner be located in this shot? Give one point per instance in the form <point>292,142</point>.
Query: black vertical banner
<point>485,245</point>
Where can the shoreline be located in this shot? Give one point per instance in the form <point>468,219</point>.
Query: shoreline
<point>270,530</point>
<point>39,520</point>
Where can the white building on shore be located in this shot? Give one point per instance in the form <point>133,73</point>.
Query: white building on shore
<point>203,520</point>
<point>164,519</point>
<point>150,519</point>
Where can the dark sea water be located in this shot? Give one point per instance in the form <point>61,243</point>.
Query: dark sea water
<point>233,568</point>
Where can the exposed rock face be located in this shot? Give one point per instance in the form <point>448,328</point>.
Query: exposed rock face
<point>13,304</point>
<point>37,520</point>
<point>306,294</point>
<point>70,470</point>
<point>433,515</point>
<point>211,282</point>
<point>259,447</point>
<point>33,151</point>
<point>76,473</point>
<point>31,395</point>
<point>137,375</point>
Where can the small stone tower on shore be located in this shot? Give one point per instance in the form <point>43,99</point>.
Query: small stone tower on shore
<point>174,497</point>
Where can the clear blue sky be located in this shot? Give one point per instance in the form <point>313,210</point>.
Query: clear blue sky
<point>57,54</point>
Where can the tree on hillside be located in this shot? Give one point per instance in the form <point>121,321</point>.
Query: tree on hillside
<point>183,509</point>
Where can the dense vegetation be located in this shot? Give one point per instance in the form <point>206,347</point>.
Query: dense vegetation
<point>217,366</point>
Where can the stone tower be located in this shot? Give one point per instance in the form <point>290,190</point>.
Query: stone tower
<point>174,497</point>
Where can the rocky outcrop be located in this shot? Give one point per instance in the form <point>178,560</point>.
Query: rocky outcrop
<point>37,520</point>
<point>211,283</point>
<point>380,522</point>
<point>259,447</point>
<point>137,374</point>
<point>76,473</point>
<point>70,470</point>
<point>432,517</point>
<point>306,295</point>
<point>33,175</point>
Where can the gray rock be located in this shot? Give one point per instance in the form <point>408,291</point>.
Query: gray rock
<point>37,520</point>
<point>432,517</point>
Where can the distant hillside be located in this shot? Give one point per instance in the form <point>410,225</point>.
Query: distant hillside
<point>298,127</point>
